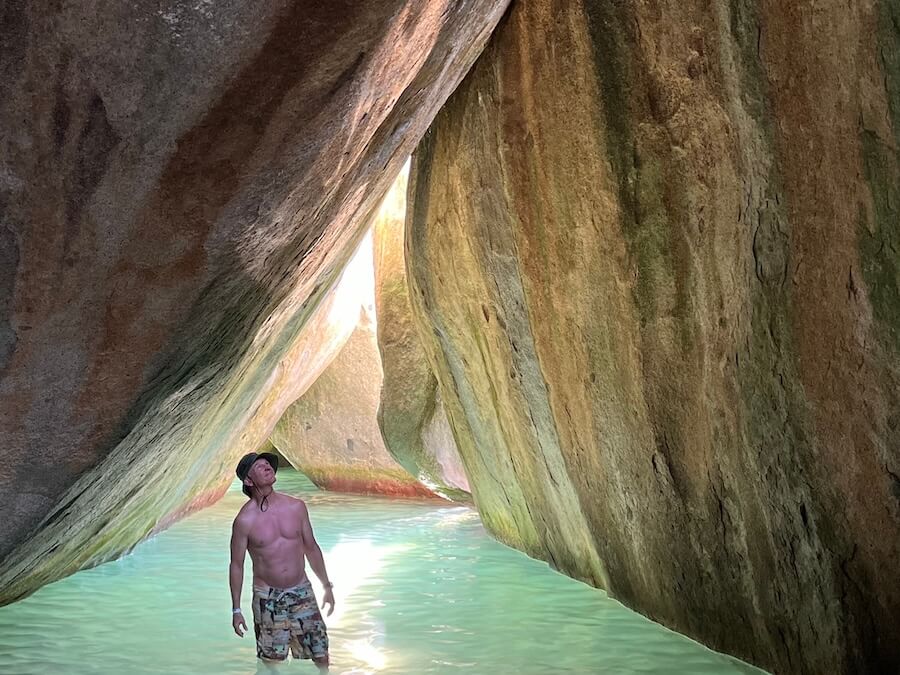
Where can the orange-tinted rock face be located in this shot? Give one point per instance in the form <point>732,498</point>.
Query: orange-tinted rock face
<point>178,190</point>
<point>668,333</point>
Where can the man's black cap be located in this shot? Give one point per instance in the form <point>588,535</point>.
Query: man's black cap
<point>243,467</point>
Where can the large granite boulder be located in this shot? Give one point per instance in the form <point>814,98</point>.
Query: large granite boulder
<point>331,432</point>
<point>179,189</point>
<point>656,248</point>
<point>410,413</point>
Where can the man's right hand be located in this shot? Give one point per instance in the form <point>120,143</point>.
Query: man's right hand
<point>238,623</point>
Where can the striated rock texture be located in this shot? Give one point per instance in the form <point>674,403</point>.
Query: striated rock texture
<point>331,433</point>
<point>668,334</point>
<point>410,413</point>
<point>179,187</point>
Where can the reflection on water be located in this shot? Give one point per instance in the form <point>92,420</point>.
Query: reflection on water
<point>419,588</point>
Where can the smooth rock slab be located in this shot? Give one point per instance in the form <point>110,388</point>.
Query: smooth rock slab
<point>410,413</point>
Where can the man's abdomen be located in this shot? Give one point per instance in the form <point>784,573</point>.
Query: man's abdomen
<point>280,565</point>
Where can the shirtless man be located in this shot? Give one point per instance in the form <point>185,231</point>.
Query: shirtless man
<point>275,528</point>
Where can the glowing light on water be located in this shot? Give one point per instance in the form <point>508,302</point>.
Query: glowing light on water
<point>455,516</point>
<point>351,564</point>
<point>368,654</point>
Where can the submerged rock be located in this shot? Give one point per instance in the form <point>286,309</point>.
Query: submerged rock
<point>410,414</point>
<point>179,189</point>
<point>655,248</point>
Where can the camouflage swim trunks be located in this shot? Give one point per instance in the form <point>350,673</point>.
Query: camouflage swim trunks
<point>289,617</point>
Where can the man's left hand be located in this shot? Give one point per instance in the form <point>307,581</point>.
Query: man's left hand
<point>328,599</point>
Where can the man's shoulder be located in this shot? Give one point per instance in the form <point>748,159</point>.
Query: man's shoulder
<point>294,502</point>
<point>294,506</point>
<point>245,514</point>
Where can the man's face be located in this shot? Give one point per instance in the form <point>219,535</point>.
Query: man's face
<point>261,473</point>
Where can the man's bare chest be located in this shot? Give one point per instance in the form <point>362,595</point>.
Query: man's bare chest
<point>273,529</point>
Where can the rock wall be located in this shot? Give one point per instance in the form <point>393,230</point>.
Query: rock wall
<point>410,413</point>
<point>331,432</point>
<point>179,188</point>
<point>656,247</point>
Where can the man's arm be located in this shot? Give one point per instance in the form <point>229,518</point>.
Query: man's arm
<point>315,557</point>
<point>236,575</point>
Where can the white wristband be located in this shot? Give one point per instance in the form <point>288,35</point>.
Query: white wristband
<point>236,611</point>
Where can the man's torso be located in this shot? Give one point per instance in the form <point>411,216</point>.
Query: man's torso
<point>275,542</point>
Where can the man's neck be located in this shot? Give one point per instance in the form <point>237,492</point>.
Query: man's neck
<point>263,493</point>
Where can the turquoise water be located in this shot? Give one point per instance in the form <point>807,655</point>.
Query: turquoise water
<point>420,588</point>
